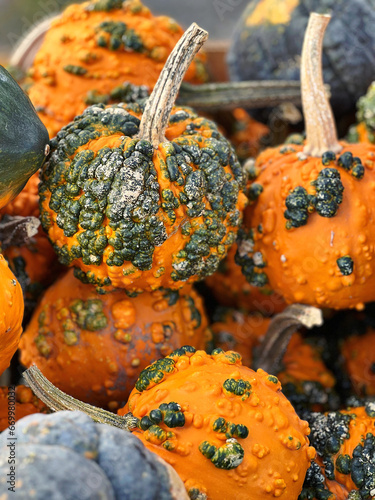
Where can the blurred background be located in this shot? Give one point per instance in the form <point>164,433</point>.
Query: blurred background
<point>217,16</point>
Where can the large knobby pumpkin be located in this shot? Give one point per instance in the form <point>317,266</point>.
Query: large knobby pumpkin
<point>310,232</point>
<point>11,314</point>
<point>228,431</point>
<point>139,199</point>
<point>94,346</point>
<point>89,52</point>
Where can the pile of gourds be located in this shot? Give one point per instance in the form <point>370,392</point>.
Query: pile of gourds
<point>143,198</point>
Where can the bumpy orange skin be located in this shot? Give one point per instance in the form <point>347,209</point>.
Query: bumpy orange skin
<point>59,96</point>
<point>247,134</point>
<point>26,403</point>
<point>276,451</point>
<point>359,355</point>
<point>99,364</point>
<point>11,314</point>
<point>230,288</point>
<point>301,262</point>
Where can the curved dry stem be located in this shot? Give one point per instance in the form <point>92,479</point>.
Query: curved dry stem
<point>17,230</point>
<point>159,105</point>
<point>281,328</point>
<point>321,135</point>
<point>59,401</point>
<point>24,54</point>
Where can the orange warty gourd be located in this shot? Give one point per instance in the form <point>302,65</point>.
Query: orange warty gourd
<point>365,130</point>
<point>25,403</point>
<point>359,362</point>
<point>345,444</point>
<point>94,346</point>
<point>228,431</point>
<point>310,233</point>
<point>92,49</point>
<point>11,314</point>
<point>143,200</point>
<point>230,288</point>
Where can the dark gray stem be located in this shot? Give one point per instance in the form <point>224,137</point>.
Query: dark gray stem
<point>159,105</point>
<point>230,95</point>
<point>59,401</point>
<point>283,325</point>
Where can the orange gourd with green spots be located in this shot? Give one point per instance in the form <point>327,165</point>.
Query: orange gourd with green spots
<point>89,52</point>
<point>94,346</point>
<point>228,431</point>
<point>310,232</point>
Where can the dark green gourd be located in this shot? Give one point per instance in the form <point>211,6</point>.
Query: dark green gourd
<point>24,141</point>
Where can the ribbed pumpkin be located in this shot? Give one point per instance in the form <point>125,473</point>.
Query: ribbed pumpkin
<point>306,381</point>
<point>228,431</point>
<point>24,402</point>
<point>136,202</point>
<point>230,288</point>
<point>310,232</point>
<point>92,49</point>
<point>11,314</point>
<point>94,346</point>
<point>345,443</point>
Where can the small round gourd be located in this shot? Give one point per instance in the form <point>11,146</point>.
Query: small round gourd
<point>94,346</point>
<point>228,431</point>
<point>11,314</point>
<point>66,453</point>
<point>91,49</point>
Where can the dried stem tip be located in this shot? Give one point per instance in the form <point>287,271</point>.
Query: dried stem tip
<point>59,401</point>
<point>283,325</point>
<point>159,106</point>
<point>321,135</point>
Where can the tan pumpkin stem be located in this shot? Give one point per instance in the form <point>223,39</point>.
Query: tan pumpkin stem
<point>159,106</point>
<point>280,330</point>
<point>321,135</point>
<point>59,401</point>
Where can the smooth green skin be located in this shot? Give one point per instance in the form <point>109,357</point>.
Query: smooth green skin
<point>23,138</point>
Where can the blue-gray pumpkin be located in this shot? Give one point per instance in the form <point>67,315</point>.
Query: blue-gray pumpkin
<point>267,44</point>
<point>66,456</point>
